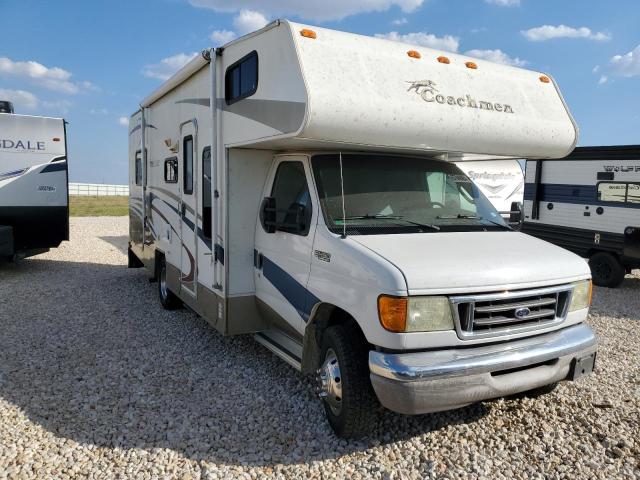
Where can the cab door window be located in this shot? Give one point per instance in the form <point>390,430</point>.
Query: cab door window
<point>293,201</point>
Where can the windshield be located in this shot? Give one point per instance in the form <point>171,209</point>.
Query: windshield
<point>386,194</point>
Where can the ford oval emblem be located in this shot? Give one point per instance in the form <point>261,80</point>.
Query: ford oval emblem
<point>522,312</point>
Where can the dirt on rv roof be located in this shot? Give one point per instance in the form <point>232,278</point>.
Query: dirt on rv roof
<point>97,380</point>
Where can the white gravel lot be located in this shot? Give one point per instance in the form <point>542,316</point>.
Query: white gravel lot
<point>98,381</point>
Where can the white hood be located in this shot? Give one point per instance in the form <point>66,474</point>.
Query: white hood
<point>455,262</point>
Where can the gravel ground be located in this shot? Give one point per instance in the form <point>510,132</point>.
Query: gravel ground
<point>97,381</point>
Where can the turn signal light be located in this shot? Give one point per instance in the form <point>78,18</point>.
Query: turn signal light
<point>443,59</point>
<point>393,313</point>
<point>471,65</point>
<point>305,32</point>
<point>414,54</point>
<point>545,79</point>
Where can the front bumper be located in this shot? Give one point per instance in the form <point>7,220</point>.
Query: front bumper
<point>423,382</point>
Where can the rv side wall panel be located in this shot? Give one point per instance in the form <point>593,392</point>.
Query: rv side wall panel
<point>248,170</point>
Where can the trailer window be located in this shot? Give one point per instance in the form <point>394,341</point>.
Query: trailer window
<point>171,170</point>
<point>138,167</point>
<point>619,192</point>
<point>241,78</point>
<point>206,192</point>
<point>187,159</point>
<point>291,192</point>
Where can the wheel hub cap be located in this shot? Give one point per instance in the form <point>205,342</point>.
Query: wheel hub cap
<point>330,382</point>
<point>163,283</point>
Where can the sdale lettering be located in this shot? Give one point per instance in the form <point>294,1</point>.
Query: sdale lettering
<point>21,145</point>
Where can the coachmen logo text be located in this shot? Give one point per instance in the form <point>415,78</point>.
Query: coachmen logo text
<point>429,93</point>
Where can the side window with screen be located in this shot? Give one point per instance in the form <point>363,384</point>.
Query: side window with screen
<point>138,167</point>
<point>612,192</point>
<point>206,192</point>
<point>171,170</point>
<point>241,78</point>
<point>293,201</point>
<point>187,160</point>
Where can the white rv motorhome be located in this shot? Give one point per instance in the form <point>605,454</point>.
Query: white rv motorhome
<point>589,203</point>
<point>299,184</point>
<point>34,205</point>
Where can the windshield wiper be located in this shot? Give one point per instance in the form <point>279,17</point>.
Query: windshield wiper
<point>392,217</point>
<point>474,217</point>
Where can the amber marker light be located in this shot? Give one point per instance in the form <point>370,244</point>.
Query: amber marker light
<point>414,54</point>
<point>471,65</point>
<point>443,59</point>
<point>393,313</point>
<point>56,139</point>
<point>545,79</point>
<point>305,32</point>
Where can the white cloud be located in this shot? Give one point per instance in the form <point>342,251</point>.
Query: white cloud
<point>504,3</point>
<point>309,10</point>
<point>21,99</point>
<point>52,78</point>
<point>627,65</point>
<point>249,21</point>
<point>603,79</point>
<point>548,32</point>
<point>220,37</point>
<point>447,42</point>
<point>123,121</point>
<point>167,66</point>
<point>496,56</point>
<point>400,21</point>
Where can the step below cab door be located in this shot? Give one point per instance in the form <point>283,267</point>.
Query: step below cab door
<point>284,244</point>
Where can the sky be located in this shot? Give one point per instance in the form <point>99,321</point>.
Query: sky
<point>93,61</point>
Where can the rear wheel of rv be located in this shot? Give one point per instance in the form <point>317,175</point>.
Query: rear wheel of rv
<point>345,387</point>
<point>606,270</point>
<point>168,300</point>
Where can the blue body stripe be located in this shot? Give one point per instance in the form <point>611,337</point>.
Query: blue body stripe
<point>574,194</point>
<point>295,293</point>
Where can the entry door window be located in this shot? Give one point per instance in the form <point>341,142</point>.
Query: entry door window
<point>187,157</point>
<point>291,192</point>
<point>206,192</point>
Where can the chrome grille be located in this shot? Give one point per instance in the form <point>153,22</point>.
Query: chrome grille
<point>504,313</point>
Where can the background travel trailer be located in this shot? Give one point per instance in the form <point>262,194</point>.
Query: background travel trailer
<point>589,203</point>
<point>210,150</point>
<point>502,181</point>
<point>34,206</point>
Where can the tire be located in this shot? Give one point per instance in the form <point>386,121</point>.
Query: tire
<point>606,270</point>
<point>344,374</point>
<point>167,298</point>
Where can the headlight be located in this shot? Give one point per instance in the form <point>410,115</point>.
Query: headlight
<point>415,314</point>
<point>581,297</point>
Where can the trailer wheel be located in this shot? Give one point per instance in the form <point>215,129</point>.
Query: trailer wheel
<point>167,298</point>
<point>606,270</point>
<point>344,385</point>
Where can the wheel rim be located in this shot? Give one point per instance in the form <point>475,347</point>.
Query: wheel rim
<point>331,382</point>
<point>164,291</point>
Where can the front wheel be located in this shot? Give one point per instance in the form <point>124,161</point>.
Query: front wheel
<point>606,270</point>
<point>349,401</point>
<point>167,298</point>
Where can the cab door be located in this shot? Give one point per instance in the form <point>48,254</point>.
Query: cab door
<point>188,208</point>
<point>282,259</point>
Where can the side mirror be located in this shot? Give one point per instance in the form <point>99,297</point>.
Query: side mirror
<point>268,214</point>
<point>515,215</point>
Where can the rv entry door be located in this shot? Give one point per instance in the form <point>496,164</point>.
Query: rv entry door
<point>188,208</point>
